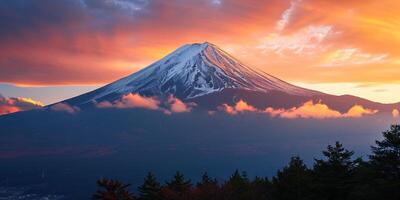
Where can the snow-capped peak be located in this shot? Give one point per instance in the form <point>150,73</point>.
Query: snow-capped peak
<point>194,70</point>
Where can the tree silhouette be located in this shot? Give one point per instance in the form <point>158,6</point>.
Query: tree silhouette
<point>385,161</point>
<point>293,182</point>
<point>260,189</point>
<point>207,189</point>
<point>112,190</point>
<point>150,189</point>
<point>333,176</point>
<point>237,187</point>
<point>178,188</point>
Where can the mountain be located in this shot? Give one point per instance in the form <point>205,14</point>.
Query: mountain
<point>191,71</point>
<point>207,75</point>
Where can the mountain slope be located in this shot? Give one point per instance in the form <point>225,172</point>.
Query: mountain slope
<point>192,71</point>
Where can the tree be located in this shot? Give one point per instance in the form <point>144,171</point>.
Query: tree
<point>333,176</point>
<point>207,189</point>
<point>178,188</point>
<point>385,161</point>
<point>260,189</point>
<point>237,187</point>
<point>112,190</point>
<point>293,182</point>
<point>151,189</point>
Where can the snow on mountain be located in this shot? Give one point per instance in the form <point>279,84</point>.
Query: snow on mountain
<point>191,71</point>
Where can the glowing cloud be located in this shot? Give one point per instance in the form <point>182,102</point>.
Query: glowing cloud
<point>11,105</point>
<point>307,110</point>
<point>395,113</point>
<point>318,111</point>
<point>132,101</point>
<point>240,106</point>
<point>63,107</point>
<point>359,111</point>
<point>177,106</point>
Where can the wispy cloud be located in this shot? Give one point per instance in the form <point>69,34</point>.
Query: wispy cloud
<point>352,56</point>
<point>284,21</point>
<point>305,41</point>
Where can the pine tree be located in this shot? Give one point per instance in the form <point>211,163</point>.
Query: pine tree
<point>293,182</point>
<point>178,188</point>
<point>385,162</point>
<point>207,189</point>
<point>260,189</point>
<point>333,176</point>
<point>237,187</point>
<point>112,190</point>
<point>151,189</point>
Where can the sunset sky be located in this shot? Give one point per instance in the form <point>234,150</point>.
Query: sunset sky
<point>51,50</point>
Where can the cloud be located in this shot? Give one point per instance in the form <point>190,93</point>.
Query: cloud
<point>352,56</point>
<point>359,111</point>
<point>305,41</point>
<point>284,21</point>
<point>104,104</point>
<point>177,106</point>
<point>138,101</point>
<point>240,106</point>
<point>395,113</point>
<point>16,104</point>
<point>216,2</point>
<point>134,100</point>
<point>307,110</point>
<point>63,107</point>
<point>318,111</point>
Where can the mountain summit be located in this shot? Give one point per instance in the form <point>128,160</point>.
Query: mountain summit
<point>191,71</point>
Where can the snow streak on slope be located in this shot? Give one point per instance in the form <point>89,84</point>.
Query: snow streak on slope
<point>194,70</point>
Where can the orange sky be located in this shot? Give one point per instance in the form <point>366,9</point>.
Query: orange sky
<point>336,46</point>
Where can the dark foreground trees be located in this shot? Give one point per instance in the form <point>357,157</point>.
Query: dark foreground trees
<point>337,176</point>
<point>112,190</point>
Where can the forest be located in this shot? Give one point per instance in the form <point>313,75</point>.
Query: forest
<point>337,176</point>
